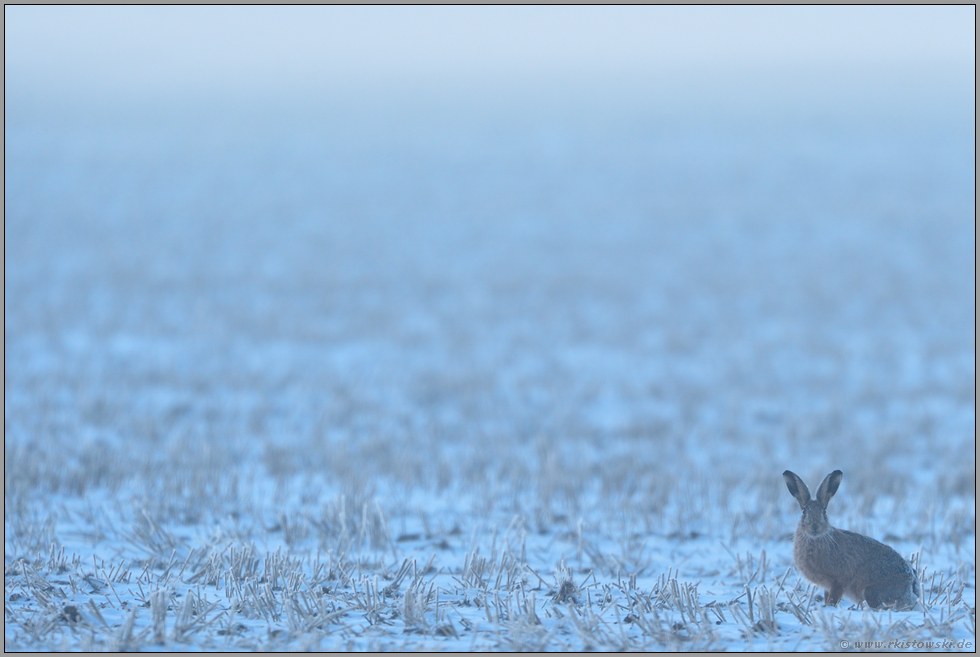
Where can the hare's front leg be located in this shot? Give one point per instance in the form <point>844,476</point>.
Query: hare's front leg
<point>833,595</point>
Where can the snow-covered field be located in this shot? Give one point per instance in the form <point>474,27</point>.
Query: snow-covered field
<point>482,385</point>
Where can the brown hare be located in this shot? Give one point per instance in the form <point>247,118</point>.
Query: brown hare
<point>845,563</point>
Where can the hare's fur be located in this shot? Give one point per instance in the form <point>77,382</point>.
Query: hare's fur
<point>845,563</point>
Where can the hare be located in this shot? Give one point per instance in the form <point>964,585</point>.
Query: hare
<point>845,563</point>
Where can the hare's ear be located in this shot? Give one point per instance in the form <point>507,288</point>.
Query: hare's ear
<point>828,487</point>
<point>797,488</point>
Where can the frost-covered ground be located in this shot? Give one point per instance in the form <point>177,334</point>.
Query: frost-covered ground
<point>476,384</point>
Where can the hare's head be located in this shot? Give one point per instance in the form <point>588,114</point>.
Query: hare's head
<point>814,520</point>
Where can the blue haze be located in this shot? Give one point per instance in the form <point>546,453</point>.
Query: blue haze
<point>695,256</point>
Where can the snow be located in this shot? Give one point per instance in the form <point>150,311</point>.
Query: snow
<point>482,385</point>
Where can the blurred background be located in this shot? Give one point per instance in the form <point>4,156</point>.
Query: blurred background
<point>433,239</point>
<point>785,62</point>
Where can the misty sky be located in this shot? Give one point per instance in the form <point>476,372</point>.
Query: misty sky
<point>162,51</point>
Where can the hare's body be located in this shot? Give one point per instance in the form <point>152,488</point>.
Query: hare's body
<point>845,563</point>
<point>856,567</point>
